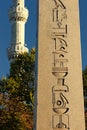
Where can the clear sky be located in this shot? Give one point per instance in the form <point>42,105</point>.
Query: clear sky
<point>31,25</point>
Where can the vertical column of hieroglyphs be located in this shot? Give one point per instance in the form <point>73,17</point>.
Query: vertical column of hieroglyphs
<point>60,101</point>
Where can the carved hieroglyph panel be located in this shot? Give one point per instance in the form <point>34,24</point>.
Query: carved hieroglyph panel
<point>60,117</point>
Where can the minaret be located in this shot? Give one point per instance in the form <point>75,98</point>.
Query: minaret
<point>18,15</point>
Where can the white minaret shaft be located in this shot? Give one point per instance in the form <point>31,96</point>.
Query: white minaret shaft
<point>18,15</point>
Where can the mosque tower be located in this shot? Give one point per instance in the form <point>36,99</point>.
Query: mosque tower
<point>18,15</point>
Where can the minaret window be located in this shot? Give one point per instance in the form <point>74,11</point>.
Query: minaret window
<point>19,8</point>
<point>17,47</point>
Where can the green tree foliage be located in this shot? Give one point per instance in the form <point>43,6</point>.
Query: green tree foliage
<point>22,71</point>
<point>85,93</point>
<point>17,94</point>
<point>85,79</point>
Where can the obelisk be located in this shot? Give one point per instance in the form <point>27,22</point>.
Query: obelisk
<point>59,91</point>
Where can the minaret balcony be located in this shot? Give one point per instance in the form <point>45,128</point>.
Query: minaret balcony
<point>13,51</point>
<point>12,54</point>
<point>18,13</point>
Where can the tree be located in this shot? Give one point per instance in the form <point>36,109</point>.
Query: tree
<point>85,93</point>
<point>22,71</point>
<point>85,86</point>
<point>85,79</point>
<point>17,94</point>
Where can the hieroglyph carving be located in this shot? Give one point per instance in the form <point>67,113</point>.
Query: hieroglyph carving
<point>60,117</point>
<point>60,121</point>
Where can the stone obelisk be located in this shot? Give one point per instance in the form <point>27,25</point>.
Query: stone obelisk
<point>59,90</point>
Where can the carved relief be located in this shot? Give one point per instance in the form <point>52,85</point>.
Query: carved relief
<point>60,121</point>
<point>59,13</point>
<point>60,44</point>
<point>59,18</point>
<point>59,3</point>
<point>59,102</point>
<point>59,31</point>
<point>60,66</point>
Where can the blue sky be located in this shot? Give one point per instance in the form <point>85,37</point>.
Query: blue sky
<point>83,29</point>
<point>31,26</point>
<point>5,31</point>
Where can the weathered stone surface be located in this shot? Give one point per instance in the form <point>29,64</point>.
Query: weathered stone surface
<point>59,94</point>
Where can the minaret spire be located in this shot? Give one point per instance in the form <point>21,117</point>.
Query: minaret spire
<point>18,15</point>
